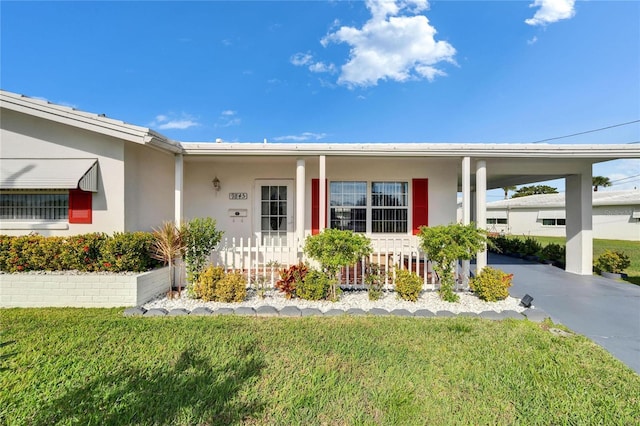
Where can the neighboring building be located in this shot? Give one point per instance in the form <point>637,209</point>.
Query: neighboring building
<point>616,215</point>
<point>66,172</point>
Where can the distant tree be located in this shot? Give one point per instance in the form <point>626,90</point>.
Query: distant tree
<point>600,181</point>
<point>533,190</point>
<point>506,190</point>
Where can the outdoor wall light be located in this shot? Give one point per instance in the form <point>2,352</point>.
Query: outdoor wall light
<point>526,301</point>
<point>216,183</point>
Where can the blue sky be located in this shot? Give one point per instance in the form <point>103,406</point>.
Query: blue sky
<point>339,71</point>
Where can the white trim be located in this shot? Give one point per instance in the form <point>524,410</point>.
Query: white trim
<point>552,214</point>
<point>497,214</point>
<point>33,226</point>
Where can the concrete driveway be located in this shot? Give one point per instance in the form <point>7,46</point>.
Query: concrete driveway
<point>605,311</point>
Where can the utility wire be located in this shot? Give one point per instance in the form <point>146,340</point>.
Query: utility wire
<point>588,131</point>
<point>624,178</point>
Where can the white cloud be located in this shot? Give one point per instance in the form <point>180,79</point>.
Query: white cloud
<point>551,11</point>
<point>171,121</point>
<point>306,59</point>
<point>396,44</point>
<point>322,67</point>
<point>532,41</point>
<point>302,137</point>
<point>301,59</point>
<point>228,118</point>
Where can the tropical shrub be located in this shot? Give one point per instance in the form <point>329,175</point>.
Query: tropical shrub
<point>289,279</point>
<point>231,288</point>
<point>408,285</point>
<point>314,286</point>
<point>205,287</point>
<point>82,252</point>
<point>200,237</point>
<point>167,246</point>
<point>491,284</point>
<point>530,247</point>
<point>335,249</point>
<point>445,245</point>
<point>553,252</point>
<point>612,261</point>
<point>375,277</point>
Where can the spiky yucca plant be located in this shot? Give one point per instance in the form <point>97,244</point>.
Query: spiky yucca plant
<point>167,247</point>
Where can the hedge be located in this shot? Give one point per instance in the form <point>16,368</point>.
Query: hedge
<point>129,251</point>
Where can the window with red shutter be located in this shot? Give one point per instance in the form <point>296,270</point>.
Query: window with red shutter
<point>420,204</point>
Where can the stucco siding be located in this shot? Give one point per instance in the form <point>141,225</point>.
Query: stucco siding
<point>240,174</point>
<point>25,136</point>
<point>149,189</point>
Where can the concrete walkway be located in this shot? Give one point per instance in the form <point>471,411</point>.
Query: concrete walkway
<point>605,311</point>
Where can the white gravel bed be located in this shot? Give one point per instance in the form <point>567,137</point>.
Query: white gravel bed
<point>350,299</point>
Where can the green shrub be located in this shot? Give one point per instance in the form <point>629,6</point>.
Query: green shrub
<point>82,252</point>
<point>314,286</point>
<point>612,261</point>
<point>205,287</point>
<point>5,247</point>
<point>497,243</point>
<point>231,288</point>
<point>289,279</point>
<point>375,278</point>
<point>530,247</point>
<point>199,237</point>
<point>513,245</point>
<point>491,284</point>
<point>128,251</point>
<point>408,285</point>
<point>554,252</point>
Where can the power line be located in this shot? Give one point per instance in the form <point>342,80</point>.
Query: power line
<point>624,178</point>
<point>588,131</point>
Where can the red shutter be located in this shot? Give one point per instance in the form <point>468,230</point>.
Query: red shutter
<point>80,206</point>
<point>420,204</point>
<point>315,206</point>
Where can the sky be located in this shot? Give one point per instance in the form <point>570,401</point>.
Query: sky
<point>340,71</point>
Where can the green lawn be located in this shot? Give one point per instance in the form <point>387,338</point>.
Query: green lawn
<point>631,248</point>
<point>93,366</point>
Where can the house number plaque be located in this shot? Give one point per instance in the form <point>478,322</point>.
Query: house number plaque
<point>238,196</point>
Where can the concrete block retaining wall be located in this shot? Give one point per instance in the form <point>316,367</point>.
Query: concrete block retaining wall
<point>82,291</point>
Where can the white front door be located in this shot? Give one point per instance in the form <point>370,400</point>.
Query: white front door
<point>274,212</point>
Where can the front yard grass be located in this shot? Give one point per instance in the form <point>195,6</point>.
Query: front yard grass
<point>630,248</point>
<point>93,366</point>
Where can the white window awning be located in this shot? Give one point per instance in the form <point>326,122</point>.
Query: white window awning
<point>551,214</point>
<point>67,173</point>
<point>496,214</point>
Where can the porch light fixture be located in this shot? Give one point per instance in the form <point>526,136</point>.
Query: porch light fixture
<point>216,183</point>
<point>526,301</point>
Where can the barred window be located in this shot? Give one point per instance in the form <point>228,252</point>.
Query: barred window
<point>348,206</point>
<point>554,222</point>
<point>496,221</point>
<point>34,205</point>
<point>390,202</point>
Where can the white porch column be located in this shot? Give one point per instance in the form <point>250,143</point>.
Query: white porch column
<point>179,179</point>
<point>323,192</point>
<point>481,209</point>
<point>300,200</point>
<point>466,208</point>
<point>579,228</point>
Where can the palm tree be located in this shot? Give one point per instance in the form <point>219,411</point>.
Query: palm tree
<point>167,247</point>
<point>600,181</point>
<point>506,190</point>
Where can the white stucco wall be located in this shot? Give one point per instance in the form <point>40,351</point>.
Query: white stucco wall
<point>149,192</point>
<point>239,174</point>
<point>25,136</point>
<point>609,222</point>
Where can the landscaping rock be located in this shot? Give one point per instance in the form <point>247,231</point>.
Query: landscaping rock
<point>178,312</point>
<point>468,314</point>
<point>424,313</point>
<point>245,311</point>
<point>224,311</point>
<point>201,310</point>
<point>491,315</point>
<point>401,313</point>
<point>267,311</point>
<point>290,311</point>
<point>355,312</point>
<point>334,313</point>
<point>445,314</point>
<point>378,312</point>
<point>310,312</point>
<point>512,314</point>
<point>156,312</point>
<point>134,312</point>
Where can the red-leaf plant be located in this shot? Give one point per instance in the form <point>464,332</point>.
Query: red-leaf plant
<point>289,277</point>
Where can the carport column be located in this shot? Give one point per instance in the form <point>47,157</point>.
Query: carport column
<point>300,201</point>
<point>481,209</point>
<point>466,208</point>
<point>579,229</point>
<point>323,192</point>
<point>179,178</point>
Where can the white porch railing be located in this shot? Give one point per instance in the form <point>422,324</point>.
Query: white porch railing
<point>263,261</point>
